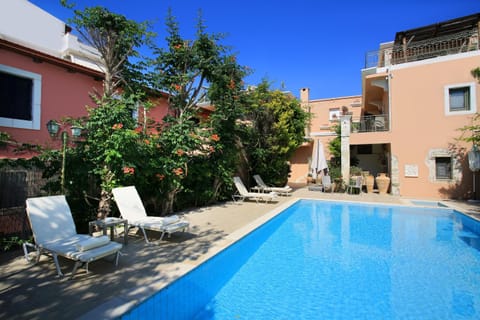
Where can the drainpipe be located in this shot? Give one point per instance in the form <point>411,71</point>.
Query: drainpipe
<point>345,121</point>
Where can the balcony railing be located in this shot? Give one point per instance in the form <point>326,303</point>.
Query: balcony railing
<point>374,123</point>
<point>426,49</point>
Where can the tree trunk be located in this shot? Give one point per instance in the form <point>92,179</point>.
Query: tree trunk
<point>168,204</point>
<point>104,205</point>
<point>217,183</point>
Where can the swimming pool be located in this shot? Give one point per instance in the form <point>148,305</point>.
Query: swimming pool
<point>324,260</point>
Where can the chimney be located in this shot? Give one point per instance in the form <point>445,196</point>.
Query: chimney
<point>304,99</point>
<point>304,95</point>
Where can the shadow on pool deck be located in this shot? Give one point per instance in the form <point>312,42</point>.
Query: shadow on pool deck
<point>34,292</point>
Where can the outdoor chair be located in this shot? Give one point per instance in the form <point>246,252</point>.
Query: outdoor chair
<point>263,187</point>
<point>243,193</point>
<point>355,185</point>
<point>131,208</point>
<point>379,123</point>
<point>55,234</point>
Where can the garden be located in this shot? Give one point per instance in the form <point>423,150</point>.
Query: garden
<point>184,160</point>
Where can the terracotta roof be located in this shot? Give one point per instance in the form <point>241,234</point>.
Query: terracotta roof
<point>444,28</point>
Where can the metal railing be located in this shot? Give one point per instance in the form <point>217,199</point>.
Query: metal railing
<point>373,123</point>
<point>425,49</point>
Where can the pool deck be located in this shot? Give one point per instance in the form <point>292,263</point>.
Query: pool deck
<point>35,292</point>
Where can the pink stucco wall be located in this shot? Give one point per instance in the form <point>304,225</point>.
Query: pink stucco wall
<point>322,128</point>
<point>63,94</point>
<point>420,125</point>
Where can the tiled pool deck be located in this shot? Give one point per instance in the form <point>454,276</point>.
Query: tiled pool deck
<point>34,291</point>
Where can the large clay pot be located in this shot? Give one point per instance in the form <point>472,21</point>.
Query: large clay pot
<point>382,183</point>
<point>369,182</point>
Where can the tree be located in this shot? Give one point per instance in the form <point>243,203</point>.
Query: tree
<point>195,71</point>
<point>277,130</point>
<point>476,73</point>
<point>471,133</point>
<point>117,39</point>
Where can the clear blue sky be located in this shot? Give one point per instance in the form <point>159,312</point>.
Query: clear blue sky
<point>304,43</point>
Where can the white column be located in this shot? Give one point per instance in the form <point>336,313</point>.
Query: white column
<point>345,122</point>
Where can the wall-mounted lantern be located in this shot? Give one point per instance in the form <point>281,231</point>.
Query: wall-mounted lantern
<point>53,128</point>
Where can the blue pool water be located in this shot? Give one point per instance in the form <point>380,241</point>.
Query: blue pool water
<point>327,260</point>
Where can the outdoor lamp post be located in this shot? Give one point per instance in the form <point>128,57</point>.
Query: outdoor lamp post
<point>53,128</point>
<point>474,164</point>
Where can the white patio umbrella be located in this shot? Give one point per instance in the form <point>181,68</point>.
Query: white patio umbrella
<point>318,159</point>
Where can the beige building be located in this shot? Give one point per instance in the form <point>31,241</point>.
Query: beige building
<point>325,115</point>
<point>417,91</point>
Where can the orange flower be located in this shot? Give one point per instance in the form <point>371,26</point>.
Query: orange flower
<point>160,176</point>
<point>117,126</point>
<point>177,87</point>
<point>138,129</point>
<point>180,152</point>
<point>178,171</point>
<point>146,141</point>
<point>215,137</point>
<point>177,46</point>
<point>128,170</point>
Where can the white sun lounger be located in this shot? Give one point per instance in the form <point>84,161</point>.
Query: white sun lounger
<point>243,193</point>
<point>55,234</point>
<point>131,208</point>
<point>261,185</point>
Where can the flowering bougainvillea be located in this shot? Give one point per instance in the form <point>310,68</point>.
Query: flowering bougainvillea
<point>128,170</point>
<point>178,171</point>
<point>185,154</point>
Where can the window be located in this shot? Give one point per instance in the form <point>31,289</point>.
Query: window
<point>460,99</point>
<point>20,95</point>
<point>334,114</point>
<point>443,168</point>
<point>16,97</point>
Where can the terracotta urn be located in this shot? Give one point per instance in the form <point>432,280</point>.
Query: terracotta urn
<point>369,182</point>
<point>383,182</point>
<point>310,180</point>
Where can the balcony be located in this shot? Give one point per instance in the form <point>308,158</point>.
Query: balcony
<point>409,49</point>
<point>373,123</point>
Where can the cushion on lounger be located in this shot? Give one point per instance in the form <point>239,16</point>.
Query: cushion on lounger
<point>93,242</point>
